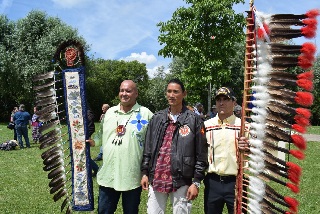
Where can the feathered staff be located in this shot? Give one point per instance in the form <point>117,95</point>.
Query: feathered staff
<point>280,101</point>
<point>61,96</point>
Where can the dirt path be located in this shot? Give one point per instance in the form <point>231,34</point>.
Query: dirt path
<point>312,137</point>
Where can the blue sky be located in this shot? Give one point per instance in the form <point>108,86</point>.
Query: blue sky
<point>126,29</point>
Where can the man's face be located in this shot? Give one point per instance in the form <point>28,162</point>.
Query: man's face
<point>128,93</point>
<point>104,108</point>
<point>175,94</point>
<point>225,105</point>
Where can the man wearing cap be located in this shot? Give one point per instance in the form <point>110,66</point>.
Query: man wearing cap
<point>222,133</point>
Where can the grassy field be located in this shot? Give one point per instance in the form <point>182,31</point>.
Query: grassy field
<point>24,185</point>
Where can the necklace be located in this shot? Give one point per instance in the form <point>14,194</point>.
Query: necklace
<point>120,130</point>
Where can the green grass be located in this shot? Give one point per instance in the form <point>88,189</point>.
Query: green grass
<point>24,185</point>
<point>314,130</point>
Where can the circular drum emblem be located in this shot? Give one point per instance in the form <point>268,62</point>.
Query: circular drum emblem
<point>184,130</point>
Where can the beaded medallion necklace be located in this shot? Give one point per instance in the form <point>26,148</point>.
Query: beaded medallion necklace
<point>120,130</point>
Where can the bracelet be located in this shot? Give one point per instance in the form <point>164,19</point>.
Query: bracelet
<point>197,184</point>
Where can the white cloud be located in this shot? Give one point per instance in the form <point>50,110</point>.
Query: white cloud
<point>154,70</point>
<point>143,58</point>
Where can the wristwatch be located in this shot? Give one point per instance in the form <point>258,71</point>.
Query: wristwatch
<point>197,184</point>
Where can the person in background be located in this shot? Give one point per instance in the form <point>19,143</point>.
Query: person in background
<point>35,125</point>
<point>237,110</point>
<point>212,113</point>
<point>104,109</point>
<point>22,120</point>
<point>222,133</point>
<point>122,134</point>
<point>190,108</point>
<point>91,130</point>
<point>15,109</point>
<point>198,109</point>
<point>175,154</point>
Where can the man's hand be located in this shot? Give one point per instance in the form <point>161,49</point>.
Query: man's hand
<point>243,144</point>
<point>193,192</point>
<point>144,182</point>
<point>91,142</point>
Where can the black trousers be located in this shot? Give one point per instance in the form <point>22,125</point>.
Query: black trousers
<point>219,190</point>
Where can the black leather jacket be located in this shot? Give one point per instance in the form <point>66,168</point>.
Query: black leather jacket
<point>189,149</point>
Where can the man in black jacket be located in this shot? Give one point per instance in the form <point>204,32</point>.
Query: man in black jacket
<point>175,154</point>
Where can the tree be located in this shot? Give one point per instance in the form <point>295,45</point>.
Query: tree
<point>7,72</point>
<point>156,90</point>
<point>105,76</point>
<point>204,34</point>
<point>201,93</point>
<point>27,47</point>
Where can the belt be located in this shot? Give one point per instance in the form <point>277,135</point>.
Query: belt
<point>221,178</point>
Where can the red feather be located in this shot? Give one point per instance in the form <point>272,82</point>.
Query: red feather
<point>306,75</point>
<point>304,62</point>
<point>304,112</point>
<point>308,48</point>
<point>293,203</point>
<point>294,177</point>
<point>260,33</point>
<point>294,167</point>
<point>311,57</point>
<point>304,98</point>
<point>313,13</point>
<point>262,30</point>
<point>297,154</point>
<point>293,187</point>
<point>309,31</point>
<point>266,28</point>
<point>305,84</point>
<point>310,22</point>
<point>299,128</point>
<point>302,121</point>
<point>299,141</point>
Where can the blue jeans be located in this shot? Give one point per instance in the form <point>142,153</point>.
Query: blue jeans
<point>22,130</point>
<point>15,134</point>
<point>109,198</point>
<point>100,153</point>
